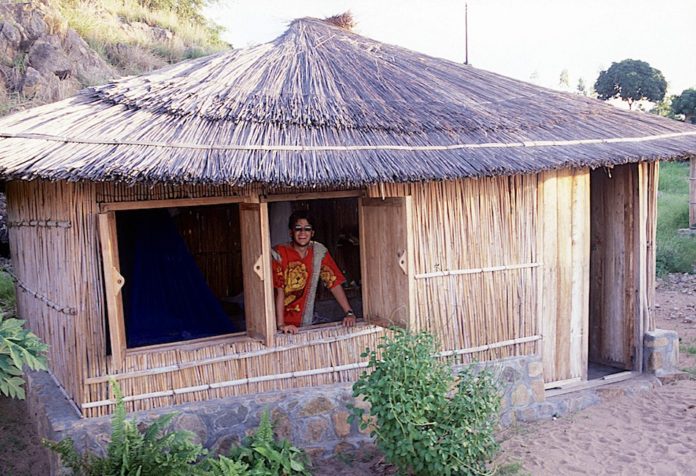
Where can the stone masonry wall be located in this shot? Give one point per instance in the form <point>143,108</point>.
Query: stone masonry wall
<point>315,419</point>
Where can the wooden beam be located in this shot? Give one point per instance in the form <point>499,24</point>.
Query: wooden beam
<point>291,197</point>
<point>176,202</point>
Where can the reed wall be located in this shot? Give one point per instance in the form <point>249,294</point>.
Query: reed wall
<point>54,249</point>
<point>476,259</point>
<point>482,259</point>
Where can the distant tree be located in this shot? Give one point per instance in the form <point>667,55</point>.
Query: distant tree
<point>581,88</point>
<point>631,80</point>
<point>664,108</point>
<point>685,104</point>
<point>564,79</point>
<point>534,77</point>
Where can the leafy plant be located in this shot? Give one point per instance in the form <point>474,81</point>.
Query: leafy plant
<point>223,466</point>
<point>266,456</point>
<point>426,421</point>
<point>18,347</point>
<point>153,451</point>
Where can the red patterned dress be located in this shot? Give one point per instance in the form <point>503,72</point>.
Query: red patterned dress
<point>296,276</point>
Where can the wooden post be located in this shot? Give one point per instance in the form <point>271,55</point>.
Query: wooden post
<point>692,193</point>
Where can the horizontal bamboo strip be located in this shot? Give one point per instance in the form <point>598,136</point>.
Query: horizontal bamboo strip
<point>293,374</point>
<point>226,358</point>
<point>230,383</point>
<point>497,345</point>
<point>335,148</point>
<point>490,269</point>
<point>43,223</point>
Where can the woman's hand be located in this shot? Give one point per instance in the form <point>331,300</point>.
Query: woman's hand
<point>288,329</point>
<point>349,321</point>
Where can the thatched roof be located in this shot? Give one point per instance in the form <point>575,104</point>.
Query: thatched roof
<point>323,106</point>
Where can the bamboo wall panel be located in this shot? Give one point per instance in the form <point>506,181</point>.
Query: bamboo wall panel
<point>321,348</point>
<point>614,265</point>
<point>564,208</point>
<point>462,226</point>
<point>59,263</point>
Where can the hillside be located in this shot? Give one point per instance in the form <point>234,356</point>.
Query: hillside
<point>50,49</point>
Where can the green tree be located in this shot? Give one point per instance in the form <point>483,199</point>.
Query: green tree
<point>581,88</point>
<point>564,79</point>
<point>685,104</point>
<point>631,80</point>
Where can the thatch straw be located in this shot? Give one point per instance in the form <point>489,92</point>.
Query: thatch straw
<point>343,20</point>
<point>321,106</point>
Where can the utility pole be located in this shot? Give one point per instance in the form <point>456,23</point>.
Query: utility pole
<point>466,33</point>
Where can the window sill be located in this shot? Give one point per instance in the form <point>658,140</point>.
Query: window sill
<point>193,344</point>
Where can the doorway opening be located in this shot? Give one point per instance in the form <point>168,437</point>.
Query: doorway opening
<point>614,219</point>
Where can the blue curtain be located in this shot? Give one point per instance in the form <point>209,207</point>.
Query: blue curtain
<point>166,298</point>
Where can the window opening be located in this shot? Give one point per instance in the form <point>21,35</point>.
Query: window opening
<point>183,273</point>
<point>336,227</point>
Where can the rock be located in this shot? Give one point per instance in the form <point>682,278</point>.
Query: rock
<point>535,369</point>
<point>341,425</point>
<point>281,424</point>
<point>32,83</point>
<point>316,406</point>
<point>520,396</point>
<point>47,58</point>
<point>315,430</point>
<point>193,423</point>
<point>10,33</point>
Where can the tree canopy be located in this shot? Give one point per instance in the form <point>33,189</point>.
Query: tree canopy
<point>631,80</point>
<point>685,104</point>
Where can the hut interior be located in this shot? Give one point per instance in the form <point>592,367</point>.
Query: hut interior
<point>335,224</point>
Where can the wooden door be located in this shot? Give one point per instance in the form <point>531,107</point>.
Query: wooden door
<point>386,254</point>
<point>614,265</point>
<point>256,271</point>
<point>564,248</point>
<point>113,283</point>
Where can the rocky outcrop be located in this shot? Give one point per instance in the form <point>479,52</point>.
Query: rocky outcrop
<point>40,59</point>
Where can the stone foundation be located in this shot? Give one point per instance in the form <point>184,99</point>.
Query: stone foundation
<point>661,352</point>
<point>315,419</point>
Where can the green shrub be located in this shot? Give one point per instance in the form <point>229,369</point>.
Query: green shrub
<point>132,452</point>
<point>18,347</point>
<point>266,456</point>
<point>426,421</point>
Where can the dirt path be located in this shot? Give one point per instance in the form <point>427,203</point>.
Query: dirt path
<point>21,453</point>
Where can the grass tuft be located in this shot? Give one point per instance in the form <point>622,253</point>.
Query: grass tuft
<point>675,253</point>
<point>7,295</point>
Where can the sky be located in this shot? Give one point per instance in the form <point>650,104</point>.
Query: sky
<point>530,40</point>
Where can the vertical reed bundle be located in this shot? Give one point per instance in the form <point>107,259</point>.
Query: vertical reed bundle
<point>467,224</point>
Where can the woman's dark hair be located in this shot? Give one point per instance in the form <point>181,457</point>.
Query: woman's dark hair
<point>299,215</point>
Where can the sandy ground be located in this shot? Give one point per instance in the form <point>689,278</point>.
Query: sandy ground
<point>649,433</point>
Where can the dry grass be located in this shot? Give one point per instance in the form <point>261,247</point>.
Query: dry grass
<point>154,35</point>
